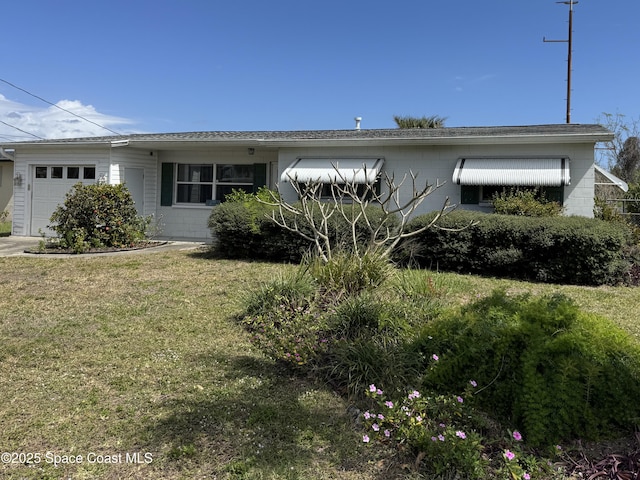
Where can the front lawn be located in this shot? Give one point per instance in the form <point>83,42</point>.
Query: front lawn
<point>133,367</point>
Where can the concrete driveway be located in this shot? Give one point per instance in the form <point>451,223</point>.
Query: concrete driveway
<point>11,245</point>
<point>16,246</point>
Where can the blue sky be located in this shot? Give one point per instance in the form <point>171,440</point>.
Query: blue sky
<point>192,65</point>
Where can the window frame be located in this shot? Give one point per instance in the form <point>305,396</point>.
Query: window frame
<point>217,183</point>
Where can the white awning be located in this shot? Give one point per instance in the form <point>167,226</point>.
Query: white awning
<point>613,180</point>
<point>525,172</point>
<point>327,170</point>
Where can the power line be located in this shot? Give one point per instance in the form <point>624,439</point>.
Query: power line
<point>58,107</point>
<point>23,131</point>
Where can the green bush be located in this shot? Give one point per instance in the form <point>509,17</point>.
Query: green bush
<point>525,202</point>
<point>284,320</point>
<point>573,250</point>
<point>98,215</point>
<point>540,364</point>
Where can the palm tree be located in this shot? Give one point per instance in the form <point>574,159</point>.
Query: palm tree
<point>434,121</point>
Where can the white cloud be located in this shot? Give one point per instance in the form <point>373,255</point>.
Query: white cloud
<point>52,122</point>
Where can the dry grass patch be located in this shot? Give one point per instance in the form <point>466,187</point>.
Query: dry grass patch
<point>140,354</point>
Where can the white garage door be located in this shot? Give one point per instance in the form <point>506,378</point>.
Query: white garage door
<point>49,186</point>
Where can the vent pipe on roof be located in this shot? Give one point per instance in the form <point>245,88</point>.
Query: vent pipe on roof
<point>358,120</point>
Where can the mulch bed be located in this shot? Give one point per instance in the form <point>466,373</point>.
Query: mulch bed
<point>54,249</point>
<point>614,466</point>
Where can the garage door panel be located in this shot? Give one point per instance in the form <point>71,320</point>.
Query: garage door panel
<point>46,194</point>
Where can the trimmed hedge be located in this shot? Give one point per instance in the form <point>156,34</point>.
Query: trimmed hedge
<point>568,250</point>
<point>244,229</point>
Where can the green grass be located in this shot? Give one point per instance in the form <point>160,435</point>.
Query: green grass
<point>140,354</point>
<point>5,229</point>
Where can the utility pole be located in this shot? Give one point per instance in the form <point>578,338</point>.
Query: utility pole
<point>569,41</point>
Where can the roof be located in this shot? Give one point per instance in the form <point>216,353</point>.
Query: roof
<point>508,134</point>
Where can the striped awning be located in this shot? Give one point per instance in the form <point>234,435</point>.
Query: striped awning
<point>525,172</point>
<point>338,170</point>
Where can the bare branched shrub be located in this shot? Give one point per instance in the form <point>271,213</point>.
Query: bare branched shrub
<point>345,197</point>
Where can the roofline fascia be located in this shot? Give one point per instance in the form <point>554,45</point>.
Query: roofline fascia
<point>329,142</point>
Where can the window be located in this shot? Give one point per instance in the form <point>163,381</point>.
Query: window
<point>56,172</point>
<point>476,194</point>
<point>200,183</point>
<point>89,173</point>
<point>73,172</point>
<point>41,172</point>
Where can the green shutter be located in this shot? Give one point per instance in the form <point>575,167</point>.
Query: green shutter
<point>259,176</point>
<point>470,194</point>
<point>166,185</point>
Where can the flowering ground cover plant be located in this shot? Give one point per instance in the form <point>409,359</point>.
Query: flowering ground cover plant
<point>439,431</point>
<point>435,428</point>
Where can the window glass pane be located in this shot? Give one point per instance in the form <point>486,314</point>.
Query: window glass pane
<point>194,193</point>
<point>488,191</point>
<point>89,173</point>
<point>195,173</point>
<point>235,173</point>
<point>73,172</point>
<point>41,172</point>
<point>223,190</point>
<point>56,172</point>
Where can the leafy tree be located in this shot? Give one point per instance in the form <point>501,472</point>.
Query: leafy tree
<point>621,155</point>
<point>628,164</point>
<point>434,121</point>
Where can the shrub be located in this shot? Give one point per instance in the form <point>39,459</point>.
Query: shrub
<point>98,215</point>
<point>242,228</point>
<point>555,250</point>
<point>525,202</point>
<point>554,371</point>
<point>285,322</point>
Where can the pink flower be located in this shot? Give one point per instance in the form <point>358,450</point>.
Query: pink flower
<point>435,357</point>
<point>380,416</point>
<point>375,427</point>
<point>389,404</point>
<point>441,438</point>
<point>367,415</point>
<point>509,455</point>
<point>414,394</point>
<point>365,438</point>
<point>387,433</point>
<point>372,388</point>
<point>473,383</point>
<point>460,400</point>
<point>378,392</point>
<point>461,434</point>
<point>517,435</point>
<point>526,476</point>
